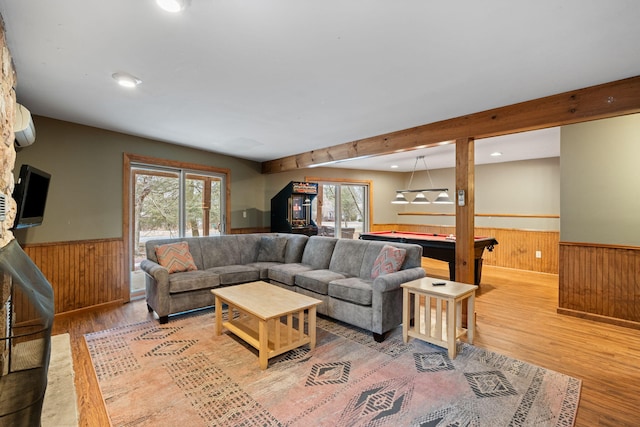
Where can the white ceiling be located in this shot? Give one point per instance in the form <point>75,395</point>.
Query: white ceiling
<point>520,146</point>
<point>264,79</point>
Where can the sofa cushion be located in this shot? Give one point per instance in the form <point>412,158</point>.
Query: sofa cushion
<point>317,280</point>
<point>317,252</point>
<point>272,249</point>
<point>388,261</point>
<point>286,273</point>
<point>347,257</point>
<point>233,274</point>
<point>352,289</point>
<point>249,245</point>
<point>192,280</point>
<point>263,268</point>
<point>295,247</point>
<point>222,250</point>
<point>175,257</point>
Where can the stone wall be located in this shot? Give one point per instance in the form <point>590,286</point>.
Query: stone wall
<point>7,149</point>
<point>7,162</point>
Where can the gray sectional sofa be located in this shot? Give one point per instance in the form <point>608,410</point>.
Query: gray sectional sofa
<point>336,271</point>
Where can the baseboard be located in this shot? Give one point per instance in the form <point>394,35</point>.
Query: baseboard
<point>109,304</point>
<point>599,318</point>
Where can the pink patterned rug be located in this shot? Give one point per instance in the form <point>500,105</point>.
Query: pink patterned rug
<point>180,373</point>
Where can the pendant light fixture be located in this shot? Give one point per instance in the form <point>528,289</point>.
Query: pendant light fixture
<point>420,198</point>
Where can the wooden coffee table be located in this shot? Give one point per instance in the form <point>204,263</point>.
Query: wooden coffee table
<point>269,318</point>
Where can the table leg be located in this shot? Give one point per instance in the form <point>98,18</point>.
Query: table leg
<point>218,308</point>
<point>263,336</point>
<point>471,317</point>
<point>312,327</point>
<point>406,310</point>
<point>451,327</point>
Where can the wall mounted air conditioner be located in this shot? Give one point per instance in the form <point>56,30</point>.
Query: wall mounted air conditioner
<point>23,127</point>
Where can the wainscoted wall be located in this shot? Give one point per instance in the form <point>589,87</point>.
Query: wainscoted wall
<point>516,248</point>
<point>87,273</point>
<point>83,273</point>
<point>600,282</point>
<point>597,281</point>
<point>91,273</point>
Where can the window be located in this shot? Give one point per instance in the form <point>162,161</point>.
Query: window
<point>170,199</point>
<point>342,207</point>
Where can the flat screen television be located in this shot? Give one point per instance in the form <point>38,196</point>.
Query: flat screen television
<point>30,194</point>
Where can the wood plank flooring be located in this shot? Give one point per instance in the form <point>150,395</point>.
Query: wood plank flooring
<point>516,316</point>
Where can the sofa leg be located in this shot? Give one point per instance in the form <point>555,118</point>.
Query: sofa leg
<point>149,308</point>
<point>379,337</point>
<point>163,319</point>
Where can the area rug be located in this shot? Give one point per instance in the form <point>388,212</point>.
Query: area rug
<point>60,408</point>
<point>180,373</point>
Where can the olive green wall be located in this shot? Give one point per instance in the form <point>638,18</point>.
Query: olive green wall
<point>523,187</point>
<point>600,181</point>
<point>85,163</point>
<point>85,198</point>
<point>528,187</point>
<point>384,185</point>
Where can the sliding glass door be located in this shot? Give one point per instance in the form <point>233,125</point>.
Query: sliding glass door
<point>342,209</point>
<point>171,202</point>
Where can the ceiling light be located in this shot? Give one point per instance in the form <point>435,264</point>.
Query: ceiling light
<point>496,154</point>
<point>400,199</point>
<point>394,166</point>
<point>443,199</point>
<point>126,79</point>
<point>421,199</point>
<point>173,6</point>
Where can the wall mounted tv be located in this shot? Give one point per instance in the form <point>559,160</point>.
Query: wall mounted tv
<point>30,194</point>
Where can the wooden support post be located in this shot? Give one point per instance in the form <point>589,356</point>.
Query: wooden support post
<point>465,215</point>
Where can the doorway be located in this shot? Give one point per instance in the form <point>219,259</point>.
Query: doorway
<point>171,202</point>
<point>342,209</point>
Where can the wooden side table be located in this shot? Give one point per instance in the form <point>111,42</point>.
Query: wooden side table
<point>453,294</point>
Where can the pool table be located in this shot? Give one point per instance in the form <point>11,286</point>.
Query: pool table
<point>437,246</point>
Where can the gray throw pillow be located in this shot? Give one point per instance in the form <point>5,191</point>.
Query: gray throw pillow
<point>272,249</point>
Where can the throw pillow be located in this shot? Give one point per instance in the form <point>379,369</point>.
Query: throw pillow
<point>388,261</point>
<point>175,257</point>
<point>272,249</point>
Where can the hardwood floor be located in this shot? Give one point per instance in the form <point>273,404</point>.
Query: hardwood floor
<point>516,316</point>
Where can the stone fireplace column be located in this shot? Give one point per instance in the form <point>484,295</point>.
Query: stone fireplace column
<point>7,149</point>
<point>7,162</point>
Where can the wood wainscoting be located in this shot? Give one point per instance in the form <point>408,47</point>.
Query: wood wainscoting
<point>83,274</point>
<point>516,248</point>
<point>600,282</point>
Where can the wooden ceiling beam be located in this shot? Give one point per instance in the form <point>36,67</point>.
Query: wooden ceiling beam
<point>596,102</point>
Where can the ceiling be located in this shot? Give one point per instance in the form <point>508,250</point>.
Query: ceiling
<point>536,144</point>
<point>265,79</point>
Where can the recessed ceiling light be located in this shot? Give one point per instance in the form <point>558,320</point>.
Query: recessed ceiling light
<point>126,79</point>
<point>173,6</point>
<point>394,166</point>
<point>496,154</point>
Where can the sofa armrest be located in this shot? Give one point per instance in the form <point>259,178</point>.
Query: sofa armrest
<point>155,270</point>
<point>392,281</point>
<point>157,288</point>
<point>386,301</point>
